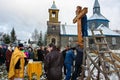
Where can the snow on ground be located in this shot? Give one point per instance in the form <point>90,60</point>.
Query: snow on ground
<point>116,51</point>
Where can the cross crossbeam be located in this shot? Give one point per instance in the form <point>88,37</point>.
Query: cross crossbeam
<point>79,14</point>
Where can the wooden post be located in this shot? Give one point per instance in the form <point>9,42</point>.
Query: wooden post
<point>79,14</point>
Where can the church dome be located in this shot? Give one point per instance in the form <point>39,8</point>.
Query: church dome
<point>53,5</point>
<point>97,18</point>
<point>96,12</point>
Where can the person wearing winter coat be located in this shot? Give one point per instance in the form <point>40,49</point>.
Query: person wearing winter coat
<point>69,58</point>
<point>64,54</point>
<point>1,55</point>
<point>40,53</point>
<point>53,63</point>
<point>78,62</point>
<point>8,57</point>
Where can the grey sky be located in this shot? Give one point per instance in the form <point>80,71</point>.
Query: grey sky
<point>26,15</point>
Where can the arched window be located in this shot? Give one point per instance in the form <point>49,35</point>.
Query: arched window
<point>114,41</point>
<point>53,14</point>
<point>53,40</point>
<point>93,26</point>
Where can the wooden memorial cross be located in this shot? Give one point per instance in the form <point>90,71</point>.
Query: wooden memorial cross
<point>79,14</point>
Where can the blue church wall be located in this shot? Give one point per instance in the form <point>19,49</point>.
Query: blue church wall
<point>97,22</point>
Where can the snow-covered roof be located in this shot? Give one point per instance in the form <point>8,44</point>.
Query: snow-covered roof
<point>71,30</point>
<point>97,16</point>
<point>68,30</point>
<point>107,31</point>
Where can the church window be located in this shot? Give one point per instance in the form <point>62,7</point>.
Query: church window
<point>94,10</point>
<point>53,14</point>
<point>53,27</point>
<point>70,41</point>
<point>113,41</point>
<point>93,26</point>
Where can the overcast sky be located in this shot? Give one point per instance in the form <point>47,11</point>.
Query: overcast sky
<point>26,15</point>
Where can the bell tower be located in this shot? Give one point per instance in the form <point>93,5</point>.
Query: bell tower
<point>53,26</point>
<point>53,13</point>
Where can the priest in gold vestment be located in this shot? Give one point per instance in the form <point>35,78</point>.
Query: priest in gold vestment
<point>17,64</point>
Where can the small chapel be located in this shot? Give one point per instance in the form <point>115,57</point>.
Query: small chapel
<point>62,34</point>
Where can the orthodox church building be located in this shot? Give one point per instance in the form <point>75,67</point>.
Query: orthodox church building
<point>62,34</point>
<point>97,18</point>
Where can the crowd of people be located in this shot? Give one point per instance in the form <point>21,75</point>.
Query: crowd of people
<point>56,62</point>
